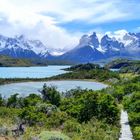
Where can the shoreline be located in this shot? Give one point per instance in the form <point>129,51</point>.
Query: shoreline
<point>18,80</point>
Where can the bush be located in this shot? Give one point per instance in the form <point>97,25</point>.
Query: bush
<point>51,95</point>
<point>136,131</point>
<point>132,104</point>
<point>53,135</point>
<point>71,126</point>
<point>12,101</point>
<point>31,100</point>
<point>46,108</point>
<point>84,106</point>
<point>56,120</point>
<point>1,100</point>
<point>31,116</point>
<point>9,112</point>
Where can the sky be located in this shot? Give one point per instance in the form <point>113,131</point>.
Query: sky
<point>59,24</point>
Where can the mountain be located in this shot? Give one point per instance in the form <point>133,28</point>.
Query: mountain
<point>91,49</point>
<point>131,43</point>
<point>111,47</point>
<point>20,47</point>
<point>85,51</point>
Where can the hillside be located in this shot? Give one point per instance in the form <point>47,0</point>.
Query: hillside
<point>125,65</point>
<point>6,61</point>
<point>88,66</point>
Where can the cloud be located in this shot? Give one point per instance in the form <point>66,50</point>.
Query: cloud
<point>52,36</point>
<point>40,19</point>
<point>119,34</point>
<point>18,18</point>
<point>94,11</point>
<point>137,29</point>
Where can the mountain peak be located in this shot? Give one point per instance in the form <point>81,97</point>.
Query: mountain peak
<point>106,37</point>
<point>93,34</point>
<point>84,41</point>
<point>21,37</point>
<point>94,40</point>
<point>89,40</point>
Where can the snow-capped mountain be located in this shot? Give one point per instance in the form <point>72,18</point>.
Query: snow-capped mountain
<point>90,48</point>
<point>131,43</point>
<point>85,51</point>
<point>91,41</point>
<point>110,46</point>
<point>20,47</point>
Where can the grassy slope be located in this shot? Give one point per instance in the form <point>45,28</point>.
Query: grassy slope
<point>6,61</point>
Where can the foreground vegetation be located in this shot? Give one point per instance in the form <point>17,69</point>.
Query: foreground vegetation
<point>132,105</point>
<point>76,114</point>
<point>127,93</point>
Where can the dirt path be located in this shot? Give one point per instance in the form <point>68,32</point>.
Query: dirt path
<point>126,133</point>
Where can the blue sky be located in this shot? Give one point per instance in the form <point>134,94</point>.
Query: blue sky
<point>60,23</point>
<point>130,26</point>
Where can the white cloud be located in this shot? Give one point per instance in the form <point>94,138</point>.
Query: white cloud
<point>117,34</point>
<point>52,36</point>
<point>39,18</point>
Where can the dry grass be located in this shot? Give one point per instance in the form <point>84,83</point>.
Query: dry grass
<point>7,138</point>
<point>128,75</point>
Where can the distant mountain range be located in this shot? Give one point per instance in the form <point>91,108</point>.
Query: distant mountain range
<point>20,47</point>
<point>89,49</point>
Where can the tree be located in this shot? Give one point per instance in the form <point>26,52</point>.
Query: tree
<point>31,116</point>
<point>13,100</point>
<point>1,100</point>
<point>50,94</point>
<point>108,108</point>
<point>31,100</point>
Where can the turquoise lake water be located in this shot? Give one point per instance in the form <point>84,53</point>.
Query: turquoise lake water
<point>33,87</point>
<point>31,72</point>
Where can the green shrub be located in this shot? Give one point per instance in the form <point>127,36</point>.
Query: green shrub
<point>84,106</point>
<point>53,135</point>
<point>31,116</point>
<point>51,95</point>
<point>56,120</point>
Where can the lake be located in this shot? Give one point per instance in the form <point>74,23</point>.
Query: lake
<point>26,88</point>
<point>115,70</point>
<point>31,72</point>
